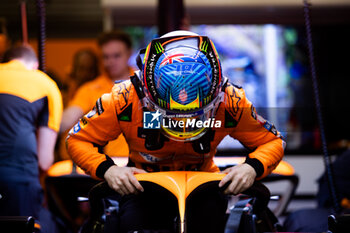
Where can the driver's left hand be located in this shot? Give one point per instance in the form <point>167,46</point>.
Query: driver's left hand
<point>241,176</point>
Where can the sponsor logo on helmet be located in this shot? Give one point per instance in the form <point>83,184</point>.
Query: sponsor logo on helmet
<point>183,95</point>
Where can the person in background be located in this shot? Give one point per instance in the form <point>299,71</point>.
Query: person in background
<point>85,68</point>
<point>116,49</point>
<point>30,117</point>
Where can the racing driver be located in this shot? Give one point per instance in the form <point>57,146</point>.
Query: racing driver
<point>173,114</point>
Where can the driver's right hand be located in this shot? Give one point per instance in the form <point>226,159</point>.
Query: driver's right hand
<point>122,179</point>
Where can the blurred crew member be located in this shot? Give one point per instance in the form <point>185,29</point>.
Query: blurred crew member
<point>30,116</point>
<point>116,49</point>
<point>180,81</point>
<point>85,68</point>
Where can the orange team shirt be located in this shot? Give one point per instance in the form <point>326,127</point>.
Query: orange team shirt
<point>29,99</point>
<point>120,112</point>
<point>32,86</point>
<point>86,97</point>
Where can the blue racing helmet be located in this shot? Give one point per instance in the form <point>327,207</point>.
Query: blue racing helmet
<point>181,75</point>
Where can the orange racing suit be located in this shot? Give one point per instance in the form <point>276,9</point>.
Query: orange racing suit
<point>120,112</point>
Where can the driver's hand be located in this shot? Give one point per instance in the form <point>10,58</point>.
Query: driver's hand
<point>122,179</point>
<point>242,177</point>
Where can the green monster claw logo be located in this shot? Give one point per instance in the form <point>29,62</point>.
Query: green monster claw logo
<point>161,103</point>
<point>204,46</point>
<point>207,100</point>
<point>159,48</point>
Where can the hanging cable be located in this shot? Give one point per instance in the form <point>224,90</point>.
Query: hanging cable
<point>24,23</point>
<point>41,33</point>
<point>327,161</point>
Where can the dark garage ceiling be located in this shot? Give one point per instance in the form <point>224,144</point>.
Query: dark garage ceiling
<point>65,18</point>
<point>84,18</point>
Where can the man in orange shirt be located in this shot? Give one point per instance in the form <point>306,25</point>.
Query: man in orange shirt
<point>116,49</point>
<point>173,114</point>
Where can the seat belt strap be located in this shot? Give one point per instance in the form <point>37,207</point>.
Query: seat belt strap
<point>235,217</point>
